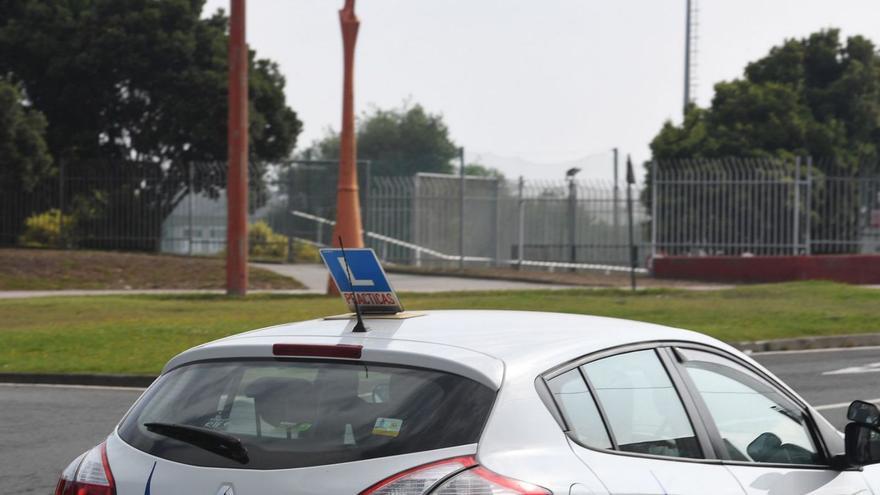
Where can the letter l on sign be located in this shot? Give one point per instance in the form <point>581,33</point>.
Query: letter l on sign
<point>355,282</point>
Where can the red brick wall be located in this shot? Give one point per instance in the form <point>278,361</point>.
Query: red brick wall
<point>853,269</point>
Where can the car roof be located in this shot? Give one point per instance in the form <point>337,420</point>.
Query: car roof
<point>524,341</point>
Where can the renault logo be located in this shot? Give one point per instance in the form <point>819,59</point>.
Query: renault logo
<point>225,489</point>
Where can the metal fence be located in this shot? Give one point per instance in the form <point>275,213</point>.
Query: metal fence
<point>428,219</point>
<point>763,207</point>
<point>688,207</point>
<point>144,207</point>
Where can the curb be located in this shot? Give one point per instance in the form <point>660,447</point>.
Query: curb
<point>807,343</point>
<point>96,380</point>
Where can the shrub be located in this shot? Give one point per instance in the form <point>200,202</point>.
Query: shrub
<point>263,242</point>
<point>44,229</point>
<point>305,252</point>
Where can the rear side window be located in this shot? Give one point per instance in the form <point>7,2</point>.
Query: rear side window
<point>292,413</point>
<point>643,409</point>
<point>579,409</point>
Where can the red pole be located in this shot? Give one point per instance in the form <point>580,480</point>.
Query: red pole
<point>237,178</point>
<point>348,207</point>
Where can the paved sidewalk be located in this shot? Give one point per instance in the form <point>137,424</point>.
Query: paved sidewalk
<point>315,278</point>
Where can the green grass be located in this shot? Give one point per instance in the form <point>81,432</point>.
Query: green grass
<point>137,334</point>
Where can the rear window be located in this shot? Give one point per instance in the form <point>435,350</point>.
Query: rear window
<point>295,413</point>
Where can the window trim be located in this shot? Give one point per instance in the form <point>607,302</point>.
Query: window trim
<point>707,433</point>
<point>709,456</point>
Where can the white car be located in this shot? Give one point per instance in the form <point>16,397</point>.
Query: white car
<point>475,402</point>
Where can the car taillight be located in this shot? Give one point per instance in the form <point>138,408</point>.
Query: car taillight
<point>456,476</point>
<point>89,474</point>
<point>419,480</point>
<point>481,481</point>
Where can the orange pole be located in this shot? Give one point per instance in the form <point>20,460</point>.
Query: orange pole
<point>237,142</point>
<point>348,207</point>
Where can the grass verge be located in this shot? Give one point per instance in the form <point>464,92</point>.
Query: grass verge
<point>48,269</point>
<point>138,334</point>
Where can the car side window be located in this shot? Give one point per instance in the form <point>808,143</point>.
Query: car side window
<point>757,423</point>
<point>580,412</point>
<point>643,408</point>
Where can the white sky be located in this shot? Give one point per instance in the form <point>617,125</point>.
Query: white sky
<point>537,80</point>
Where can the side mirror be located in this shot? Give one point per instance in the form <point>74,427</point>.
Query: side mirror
<point>862,435</point>
<point>863,413</point>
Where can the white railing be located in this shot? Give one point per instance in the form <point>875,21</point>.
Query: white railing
<point>420,251</point>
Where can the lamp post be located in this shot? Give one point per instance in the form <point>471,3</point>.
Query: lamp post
<point>237,142</point>
<point>348,210</point>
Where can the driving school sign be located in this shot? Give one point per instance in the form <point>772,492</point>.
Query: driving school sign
<point>361,278</point>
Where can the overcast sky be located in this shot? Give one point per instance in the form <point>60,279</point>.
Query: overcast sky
<point>539,80</point>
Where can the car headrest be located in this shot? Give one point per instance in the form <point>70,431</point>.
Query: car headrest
<point>765,448</point>
<point>337,387</point>
<point>283,401</point>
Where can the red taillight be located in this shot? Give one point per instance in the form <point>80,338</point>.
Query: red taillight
<point>481,481</point>
<point>456,476</point>
<point>311,350</point>
<point>421,479</point>
<point>89,474</point>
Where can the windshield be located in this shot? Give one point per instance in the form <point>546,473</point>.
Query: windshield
<point>293,413</point>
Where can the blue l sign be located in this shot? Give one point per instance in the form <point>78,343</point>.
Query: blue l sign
<point>368,282</point>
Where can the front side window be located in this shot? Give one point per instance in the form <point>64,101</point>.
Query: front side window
<point>297,413</point>
<point>642,407</point>
<point>756,422</point>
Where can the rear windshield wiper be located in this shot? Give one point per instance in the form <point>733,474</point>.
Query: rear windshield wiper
<point>211,440</point>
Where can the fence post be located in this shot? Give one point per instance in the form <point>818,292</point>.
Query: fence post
<point>654,219</point>
<point>497,231</point>
<point>291,220</point>
<point>414,221</point>
<point>61,241</point>
<point>368,179</point>
<point>796,236</point>
<point>572,220</point>
<point>808,248</point>
<point>521,237</point>
<point>461,209</point>
<point>616,200</point>
<point>190,207</point>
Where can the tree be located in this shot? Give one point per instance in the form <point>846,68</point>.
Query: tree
<point>481,170</point>
<point>814,96</point>
<point>137,88</point>
<point>24,156</point>
<point>400,142</point>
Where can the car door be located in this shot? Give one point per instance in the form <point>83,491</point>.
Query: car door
<point>630,427</point>
<point>764,436</point>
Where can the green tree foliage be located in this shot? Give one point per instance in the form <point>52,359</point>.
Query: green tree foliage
<point>24,157</point>
<point>814,96</point>
<point>135,88</point>
<point>817,96</point>
<point>481,170</point>
<point>399,141</point>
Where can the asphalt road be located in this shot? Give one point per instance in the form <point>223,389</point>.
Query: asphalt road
<point>43,428</point>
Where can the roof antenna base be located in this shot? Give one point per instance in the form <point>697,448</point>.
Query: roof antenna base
<point>359,326</point>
